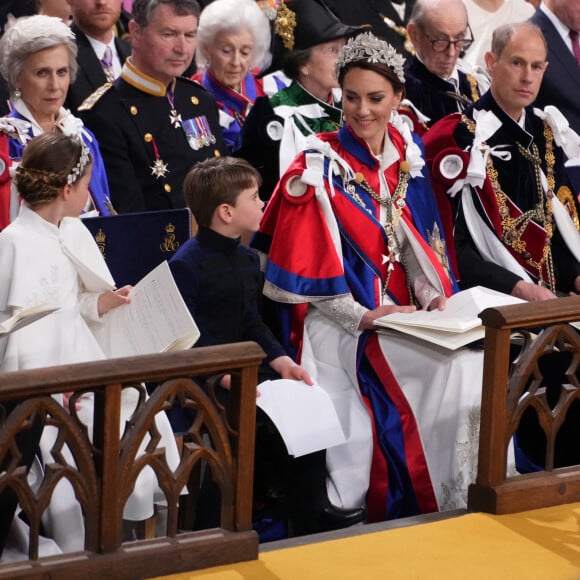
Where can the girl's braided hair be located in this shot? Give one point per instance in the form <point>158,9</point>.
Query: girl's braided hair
<point>49,162</point>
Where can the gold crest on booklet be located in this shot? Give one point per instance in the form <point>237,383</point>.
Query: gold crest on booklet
<point>100,239</point>
<point>169,244</point>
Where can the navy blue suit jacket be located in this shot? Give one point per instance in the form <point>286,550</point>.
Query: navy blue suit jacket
<point>91,74</point>
<point>561,84</point>
<point>220,281</point>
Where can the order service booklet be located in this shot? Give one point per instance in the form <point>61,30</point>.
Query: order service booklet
<point>25,317</point>
<point>156,319</point>
<point>457,325</point>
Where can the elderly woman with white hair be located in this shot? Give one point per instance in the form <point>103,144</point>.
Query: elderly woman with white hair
<point>233,44</point>
<point>38,61</point>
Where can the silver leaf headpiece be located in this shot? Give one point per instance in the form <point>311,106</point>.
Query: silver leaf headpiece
<point>78,169</point>
<point>367,47</point>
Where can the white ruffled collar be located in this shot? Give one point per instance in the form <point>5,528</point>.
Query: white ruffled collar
<point>66,122</point>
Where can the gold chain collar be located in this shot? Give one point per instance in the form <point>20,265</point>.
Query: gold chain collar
<point>513,228</point>
<point>394,204</point>
<point>474,86</point>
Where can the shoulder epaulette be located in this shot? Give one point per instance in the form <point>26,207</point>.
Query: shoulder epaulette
<point>90,101</point>
<point>193,82</point>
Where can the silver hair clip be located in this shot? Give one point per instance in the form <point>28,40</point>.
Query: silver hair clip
<point>78,169</point>
<point>367,47</point>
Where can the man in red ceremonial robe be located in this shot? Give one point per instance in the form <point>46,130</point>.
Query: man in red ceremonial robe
<point>504,175</point>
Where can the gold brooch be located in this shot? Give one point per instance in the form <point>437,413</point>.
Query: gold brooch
<point>285,24</point>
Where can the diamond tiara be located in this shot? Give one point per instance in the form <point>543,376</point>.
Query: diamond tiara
<point>78,169</point>
<point>367,47</point>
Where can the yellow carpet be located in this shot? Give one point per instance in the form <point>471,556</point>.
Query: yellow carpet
<point>536,544</point>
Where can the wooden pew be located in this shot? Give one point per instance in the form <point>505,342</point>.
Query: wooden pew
<point>106,469</point>
<point>507,393</point>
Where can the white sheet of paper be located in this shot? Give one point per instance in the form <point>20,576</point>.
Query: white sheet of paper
<point>448,340</point>
<point>304,415</point>
<point>25,317</point>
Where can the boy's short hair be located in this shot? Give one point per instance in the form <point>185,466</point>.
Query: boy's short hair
<point>215,181</point>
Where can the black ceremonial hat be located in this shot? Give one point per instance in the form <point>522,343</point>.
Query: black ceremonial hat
<point>302,24</point>
<point>314,23</point>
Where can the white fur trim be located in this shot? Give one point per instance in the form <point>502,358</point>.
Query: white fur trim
<point>451,166</point>
<point>295,187</point>
<point>275,130</point>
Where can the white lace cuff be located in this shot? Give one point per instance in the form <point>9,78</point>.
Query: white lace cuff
<point>424,291</point>
<point>344,311</point>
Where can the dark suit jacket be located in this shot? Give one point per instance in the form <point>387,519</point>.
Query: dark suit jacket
<point>561,84</point>
<point>91,74</point>
<point>220,281</point>
<point>372,12</point>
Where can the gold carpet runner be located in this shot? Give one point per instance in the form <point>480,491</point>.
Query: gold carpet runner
<point>536,544</point>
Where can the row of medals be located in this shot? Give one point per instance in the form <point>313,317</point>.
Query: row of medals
<point>197,130</point>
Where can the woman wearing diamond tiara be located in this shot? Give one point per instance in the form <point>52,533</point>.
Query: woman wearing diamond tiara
<point>352,233</point>
<point>47,256</point>
<point>38,60</point>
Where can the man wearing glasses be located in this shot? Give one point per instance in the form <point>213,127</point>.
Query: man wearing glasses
<point>434,83</point>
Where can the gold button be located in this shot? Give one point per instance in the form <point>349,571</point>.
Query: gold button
<point>195,100</point>
<point>167,187</point>
<point>133,110</point>
<point>148,137</point>
<point>216,153</point>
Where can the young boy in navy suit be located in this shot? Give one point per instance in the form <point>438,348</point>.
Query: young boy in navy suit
<point>220,280</point>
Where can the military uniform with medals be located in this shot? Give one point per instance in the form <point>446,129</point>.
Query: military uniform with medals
<point>150,135</point>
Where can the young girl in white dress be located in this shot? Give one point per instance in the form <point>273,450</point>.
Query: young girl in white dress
<point>48,256</point>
